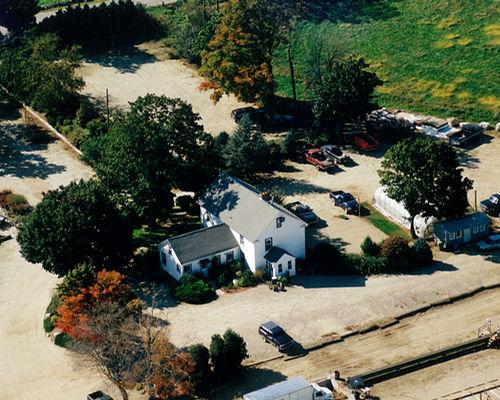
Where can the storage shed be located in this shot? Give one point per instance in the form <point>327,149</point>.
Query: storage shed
<point>452,234</point>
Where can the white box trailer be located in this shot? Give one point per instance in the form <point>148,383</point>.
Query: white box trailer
<point>292,389</point>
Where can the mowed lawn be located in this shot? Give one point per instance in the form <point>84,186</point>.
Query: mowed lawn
<point>435,56</point>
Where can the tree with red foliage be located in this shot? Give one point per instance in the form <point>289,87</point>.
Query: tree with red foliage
<point>73,313</point>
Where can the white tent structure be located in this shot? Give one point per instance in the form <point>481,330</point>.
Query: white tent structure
<point>391,208</point>
<point>423,226</point>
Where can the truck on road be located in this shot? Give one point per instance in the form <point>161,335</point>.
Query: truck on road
<point>293,389</point>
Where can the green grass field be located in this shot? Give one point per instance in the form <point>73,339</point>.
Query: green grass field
<point>435,56</point>
<point>382,223</point>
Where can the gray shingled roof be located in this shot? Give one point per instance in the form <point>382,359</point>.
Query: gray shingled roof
<point>275,253</point>
<point>459,224</point>
<point>239,205</point>
<point>201,243</point>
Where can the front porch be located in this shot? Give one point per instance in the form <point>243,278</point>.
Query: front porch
<point>279,262</point>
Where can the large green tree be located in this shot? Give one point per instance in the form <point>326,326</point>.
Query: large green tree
<point>75,224</point>
<point>246,151</point>
<point>17,15</point>
<point>195,25</point>
<point>344,90</point>
<point>148,151</point>
<point>424,174</point>
<point>239,56</point>
<point>39,72</point>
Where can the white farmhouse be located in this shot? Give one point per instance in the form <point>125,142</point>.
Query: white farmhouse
<point>239,224</point>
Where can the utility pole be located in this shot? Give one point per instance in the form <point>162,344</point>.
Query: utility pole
<point>292,75</point>
<point>475,200</point>
<point>107,109</point>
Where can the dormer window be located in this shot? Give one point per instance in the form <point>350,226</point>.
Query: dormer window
<point>279,222</point>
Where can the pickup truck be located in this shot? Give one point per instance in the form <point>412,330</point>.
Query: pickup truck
<point>345,200</point>
<point>491,205</point>
<point>303,211</point>
<point>318,159</point>
<point>274,334</point>
<point>333,153</point>
<point>490,243</point>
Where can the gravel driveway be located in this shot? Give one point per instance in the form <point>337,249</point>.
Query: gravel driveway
<point>31,366</point>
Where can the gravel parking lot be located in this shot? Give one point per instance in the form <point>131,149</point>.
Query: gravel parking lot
<point>146,69</point>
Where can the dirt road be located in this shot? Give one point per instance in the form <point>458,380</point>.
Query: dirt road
<point>147,70</point>
<point>437,328</point>
<point>31,366</point>
<point>451,380</point>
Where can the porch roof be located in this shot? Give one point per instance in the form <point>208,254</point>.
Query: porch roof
<point>275,253</point>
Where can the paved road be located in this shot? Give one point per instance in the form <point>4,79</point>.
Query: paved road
<point>149,3</point>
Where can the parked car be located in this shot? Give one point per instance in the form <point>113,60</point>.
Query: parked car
<point>98,396</point>
<point>345,200</point>
<point>490,243</point>
<point>318,159</point>
<point>365,141</point>
<point>491,205</point>
<point>303,211</point>
<point>335,154</point>
<point>274,334</point>
<point>255,115</point>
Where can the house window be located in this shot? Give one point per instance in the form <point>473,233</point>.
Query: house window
<point>242,240</point>
<point>207,216</point>
<point>451,235</point>
<point>279,222</point>
<point>187,268</point>
<point>269,243</point>
<point>178,268</point>
<point>169,250</point>
<point>458,234</point>
<point>163,257</point>
<point>229,256</point>
<point>475,229</point>
<point>289,264</point>
<point>482,227</point>
<point>280,268</point>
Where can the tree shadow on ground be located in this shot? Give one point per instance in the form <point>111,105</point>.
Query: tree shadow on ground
<point>157,294</point>
<point>9,111</point>
<point>289,187</point>
<point>330,281</point>
<point>249,380</point>
<point>467,160</point>
<point>436,266</point>
<point>483,139</point>
<point>314,236</point>
<point>125,60</point>
<point>350,11</point>
<point>19,148</point>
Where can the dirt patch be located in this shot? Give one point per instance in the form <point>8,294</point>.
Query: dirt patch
<point>146,69</point>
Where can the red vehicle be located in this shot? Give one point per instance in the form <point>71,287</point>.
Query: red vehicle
<point>365,142</point>
<point>318,159</point>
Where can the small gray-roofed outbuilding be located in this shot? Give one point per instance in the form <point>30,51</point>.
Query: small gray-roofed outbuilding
<point>279,390</point>
<point>201,243</point>
<point>453,233</point>
<point>240,206</point>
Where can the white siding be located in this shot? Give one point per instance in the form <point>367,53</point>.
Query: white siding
<point>208,219</point>
<point>290,237</point>
<point>284,264</point>
<point>172,261</point>
<point>247,249</point>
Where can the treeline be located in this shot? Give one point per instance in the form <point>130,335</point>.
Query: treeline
<point>39,72</point>
<point>102,27</point>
